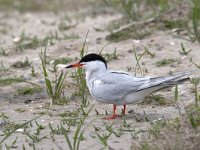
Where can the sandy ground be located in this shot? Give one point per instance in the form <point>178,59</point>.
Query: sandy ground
<point>162,43</point>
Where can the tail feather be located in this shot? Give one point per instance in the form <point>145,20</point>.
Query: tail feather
<point>167,81</point>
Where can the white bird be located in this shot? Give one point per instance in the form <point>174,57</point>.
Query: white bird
<point>120,88</point>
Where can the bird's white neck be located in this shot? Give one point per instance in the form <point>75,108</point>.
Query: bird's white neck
<point>93,69</point>
<point>90,75</point>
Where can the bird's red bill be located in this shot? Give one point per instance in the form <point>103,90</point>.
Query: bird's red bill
<point>75,65</point>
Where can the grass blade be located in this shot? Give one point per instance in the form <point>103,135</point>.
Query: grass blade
<point>20,126</point>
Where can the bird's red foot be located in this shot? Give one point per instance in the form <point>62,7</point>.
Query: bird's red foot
<point>111,117</point>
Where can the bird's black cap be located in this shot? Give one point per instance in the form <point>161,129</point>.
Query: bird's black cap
<point>93,57</point>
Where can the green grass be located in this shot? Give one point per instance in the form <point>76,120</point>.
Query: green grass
<point>165,62</point>
<point>3,52</point>
<point>155,99</point>
<point>13,128</point>
<point>138,57</point>
<point>80,78</point>
<point>56,87</point>
<point>28,90</point>
<point>22,64</point>
<point>172,24</point>
<point>183,50</point>
<point>27,42</point>
<point>196,19</point>
<point>32,42</point>
<point>26,5</point>
<point>20,110</point>
<point>111,56</point>
<point>193,112</point>
<point>64,26</point>
<point>11,80</point>
<point>3,68</point>
<point>74,143</point>
<point>139,9</point>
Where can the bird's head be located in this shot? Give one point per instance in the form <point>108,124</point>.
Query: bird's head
<point>91,62</point>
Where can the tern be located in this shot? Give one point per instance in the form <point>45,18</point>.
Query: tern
<point>121,88</point>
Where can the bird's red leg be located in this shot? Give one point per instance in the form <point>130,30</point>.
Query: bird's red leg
<point>113,115</point>
<point>124,110</point>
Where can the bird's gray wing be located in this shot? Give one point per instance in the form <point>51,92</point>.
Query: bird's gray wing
<point>114,86</point>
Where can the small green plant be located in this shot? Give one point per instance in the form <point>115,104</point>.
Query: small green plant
<point>13,144</point>
<point>165,62</point>
<point>193,113</point>
<point>3,52</point>
<point>63,26</point>
<point>129,8</point>
<point>157,99</point>
<point>54,88</point>
<point>157,125</point>
<point>196,18</point>
<point>39,128</point>
<point>183,50</point>
<point>112,56</point>
<point>25,41</point>
<point>28,90</point>
<point>12,130</point>
<point>33,73</point>
<point>11,80</point>
<point>22,64</point>
<point>195,82</point>
<point>172,24</point>
<point>176,97</point>
<point>135,9</point>
<point>103,138</point>
<point>78,134</point>
<point>198,66</point>
<point>3,68</point>
<point>34,137</point>
<point>149,53</point>
<point>20,110</point>
<point>80,78</point>
<point>138,58</point>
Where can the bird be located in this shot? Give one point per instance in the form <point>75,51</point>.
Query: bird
<point>119,87</point>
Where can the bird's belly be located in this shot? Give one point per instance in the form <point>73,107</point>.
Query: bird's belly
<point>131,98</point>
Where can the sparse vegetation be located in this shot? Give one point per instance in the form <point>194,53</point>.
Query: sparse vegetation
<point>10,80</point>
<point>183,50</point>
<point>144,32</point>
<point>54,88</point>
<point>196,19</point>
<point>22,64</point>
<point>3,52</point>
<point>156,99</point>
<point>2,67</point>
<point>165,62</point>
<point>112,56</point>
<point>78,134</point>
<point>80,78</point>
<point>28,90</point>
